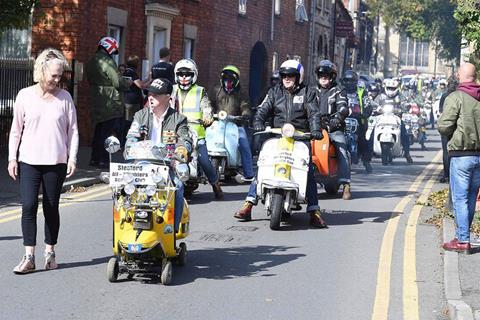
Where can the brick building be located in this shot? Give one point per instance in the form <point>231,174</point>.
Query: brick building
<point>256,36</point>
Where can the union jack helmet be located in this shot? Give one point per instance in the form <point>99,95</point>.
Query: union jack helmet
<point>110,44</point>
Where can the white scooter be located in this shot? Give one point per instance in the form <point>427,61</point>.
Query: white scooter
<point>282,172</point>
<point>387,143</point>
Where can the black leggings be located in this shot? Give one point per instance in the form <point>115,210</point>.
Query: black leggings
<point>51,178</point>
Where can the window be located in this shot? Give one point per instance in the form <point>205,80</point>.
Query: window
<point>242,6</point>
<point>115,32</point>
<point>159,42</point>
<point>413,52</point>
<point>277,7</point>
<point>275,61</point>
<point>298,58</point>
<point>15,43</point>
<point>188,47</point>
<point>300,11</point>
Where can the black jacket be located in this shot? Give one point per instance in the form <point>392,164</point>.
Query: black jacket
<point>298,108</point>
<point>332,101</point>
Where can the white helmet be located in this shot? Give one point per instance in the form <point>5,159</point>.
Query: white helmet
<point>109,44</point>
<point>442,82</point>
<point>292,67</point>
<point>391,87</point>
<point>186,69</point>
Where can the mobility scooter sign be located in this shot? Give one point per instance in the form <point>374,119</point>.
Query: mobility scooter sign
<point>121,174</point>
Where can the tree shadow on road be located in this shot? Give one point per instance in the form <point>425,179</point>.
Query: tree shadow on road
<point>233,262</point>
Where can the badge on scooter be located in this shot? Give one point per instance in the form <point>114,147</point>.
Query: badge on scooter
<point>298,99</point>
<point>168,229</point>
<point>134,247</point>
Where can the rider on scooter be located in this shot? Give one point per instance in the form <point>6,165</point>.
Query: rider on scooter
<point>333,104</point>
<point>354,95</point>
<point>229,97</point>
<point>192,101</point>
<point>163,125</point>
<point>393,97</point>
<point>291,102</point>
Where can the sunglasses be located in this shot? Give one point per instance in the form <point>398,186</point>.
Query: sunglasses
<point>185,74</point>
<point>284,75</point>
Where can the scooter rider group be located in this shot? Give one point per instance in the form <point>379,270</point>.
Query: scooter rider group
<point>361,109</point>
<point>290,102</point>
<point>192,101</point>
<point>393,96</point>
<point>228,96</point>
<point>333,106</point>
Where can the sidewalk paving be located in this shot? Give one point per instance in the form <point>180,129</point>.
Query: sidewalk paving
<point>10,191</point>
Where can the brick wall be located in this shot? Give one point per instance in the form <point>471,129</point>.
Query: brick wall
<point>224,37</point>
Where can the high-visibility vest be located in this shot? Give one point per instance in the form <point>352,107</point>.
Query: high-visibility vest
<point>360,92</point>
<point>191,107</point>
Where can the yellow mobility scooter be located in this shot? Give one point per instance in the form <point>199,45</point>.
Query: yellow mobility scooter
<point>144,238</point>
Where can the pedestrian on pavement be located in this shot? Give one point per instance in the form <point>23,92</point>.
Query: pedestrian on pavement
<point>460,121</point>
<point>43,148</point>
<point>107,103</point>
<point>333,106</point>
<point>291,102</point>
<point>451,87</point>
<point>229,97</point>
<point>133,96</point>
<point>164,68</point>
<point>192,101</point>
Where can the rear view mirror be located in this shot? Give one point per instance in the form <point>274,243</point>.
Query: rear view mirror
<point>111,144</point>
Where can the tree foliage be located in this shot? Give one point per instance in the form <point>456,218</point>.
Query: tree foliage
<point>15,14</point>
<point>430,20</point>
<point>467,15</point>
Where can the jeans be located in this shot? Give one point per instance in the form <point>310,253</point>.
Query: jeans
<point>404,138</point>
<point>205,163</point>
<point>103,130</point>
<point>51,178</point>
<point>364,151</point>
<point>311,192</point>
<point>445,158</point>
<point>464,185</point>
<point>245,153</point>
<point>340,143</point>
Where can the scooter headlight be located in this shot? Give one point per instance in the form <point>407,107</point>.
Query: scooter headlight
<point>128,178</point>
<point>288,130</point>
<point>183,172</point>
<point>129,189</point>
<point>141,214</point>
<point>150,190</point>
<point>158,178</point>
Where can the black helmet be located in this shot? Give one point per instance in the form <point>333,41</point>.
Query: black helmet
<point>326,67</point>
<point>350,80</point>
<point>373,87</point>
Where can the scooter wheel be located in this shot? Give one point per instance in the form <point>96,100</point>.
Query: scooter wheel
<point>112,269</point>
<point>182,255</point>
<point>167,272</point>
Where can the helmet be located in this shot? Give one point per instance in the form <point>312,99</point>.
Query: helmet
<point>361,84</point>
<point>109,44</point>
<point>292,67</point>
<point>350,80</point>
<point>326,67</point>
<point>373,87</point>
<point>230,78</point>
<point>188,69</point>
<point>442,82</point>
<point>391,87</point>
<point>275,78</point>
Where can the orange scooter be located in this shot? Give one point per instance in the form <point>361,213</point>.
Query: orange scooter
<point>324,157</point>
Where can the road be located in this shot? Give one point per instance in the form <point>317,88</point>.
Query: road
<point>377,259</point>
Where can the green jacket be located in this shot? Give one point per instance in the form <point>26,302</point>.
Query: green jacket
<point>235,104</point>
<point>106,88</point>
<point>460,122</point>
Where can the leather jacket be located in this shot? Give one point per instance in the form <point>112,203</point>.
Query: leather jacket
<point>298,108</point>
<point>332,102</point>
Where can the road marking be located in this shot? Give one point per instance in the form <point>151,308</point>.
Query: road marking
<point>93,194</point>
<point>382,291</point>
<point>410,288</point>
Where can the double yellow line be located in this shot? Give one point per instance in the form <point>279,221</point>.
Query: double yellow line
<point>14,214</point>
<point>410,289</point>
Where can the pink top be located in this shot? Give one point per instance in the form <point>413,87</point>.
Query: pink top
<point>45,129</point>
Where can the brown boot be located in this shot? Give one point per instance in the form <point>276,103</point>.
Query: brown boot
<point>245,213</point>
<point>346,192</point>
<point>316,219</point>
<point>217,190</point>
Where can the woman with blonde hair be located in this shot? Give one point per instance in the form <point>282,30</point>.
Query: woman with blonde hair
<point>43,148</point>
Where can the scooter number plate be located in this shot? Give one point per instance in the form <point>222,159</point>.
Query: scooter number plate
<point>134,247</point>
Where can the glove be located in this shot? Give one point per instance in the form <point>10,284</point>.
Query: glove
<point>258,127</point>
<point>207,122</point>
<point>316,135</point>
<point>143,132</point>
<point>335,123</point>
<point>182,153</point>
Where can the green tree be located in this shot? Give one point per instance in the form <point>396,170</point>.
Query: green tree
<point>16,13</point>
<point>468,20</point>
